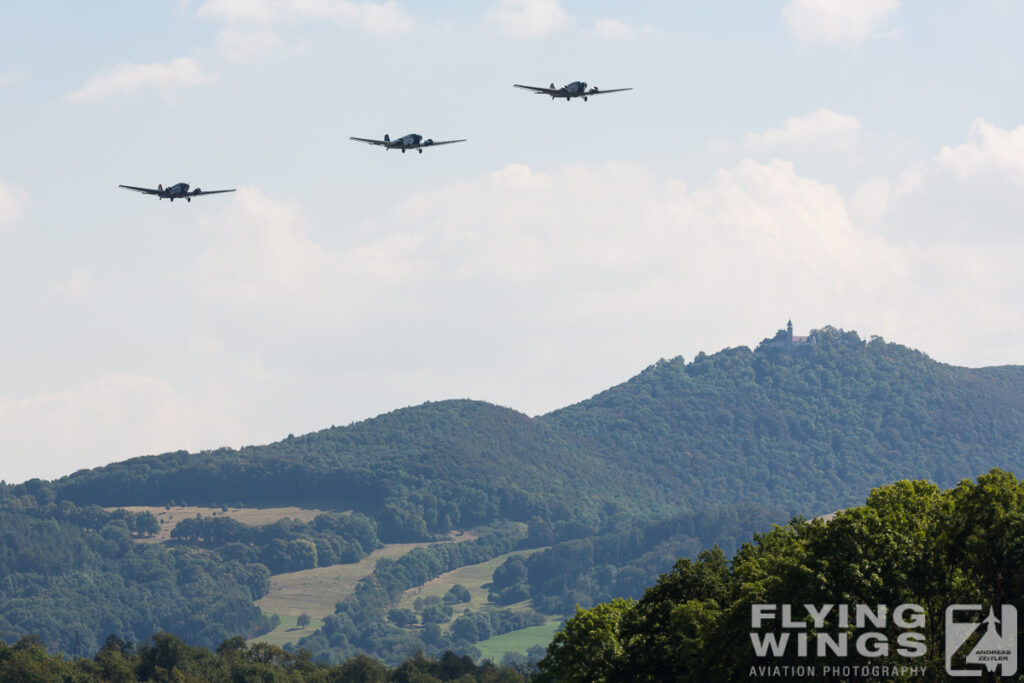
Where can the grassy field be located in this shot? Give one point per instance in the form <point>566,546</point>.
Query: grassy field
<point>314,591</point>
<point>170,516</point>
<point>472,576</point>
<point>518,641</point>
<point>288,631</point>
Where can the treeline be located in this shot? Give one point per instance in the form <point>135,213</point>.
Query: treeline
<point>38,499</point>
<point>419,472</point>
<point>286,545</point>
<point>70,575</point>
<point>910,544</point>
<point>360,622</point>
<point>168,658</point>
<point>585,571</point>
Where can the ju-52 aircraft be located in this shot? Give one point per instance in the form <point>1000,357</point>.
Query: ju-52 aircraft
<point>574,89</point>
<point>410,141</point>
<point>179,191</point>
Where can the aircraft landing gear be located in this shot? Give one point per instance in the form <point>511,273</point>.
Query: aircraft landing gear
<point>403,151</point>
<point>188,199</point>
<point>420,151</point>
<point>584,99</point>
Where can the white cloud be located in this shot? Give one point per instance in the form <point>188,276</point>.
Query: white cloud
<point>565,252</point>
<point>255,11</point>
<point>261,258</point>
<point>846,23</point>
<point>966,194</point>
<point>115,417</point>
<point>77,285</point>
<point>14,203</point>
<point>126,78</point>
<point>989,149</point>
<point>822,129</point>
<point>246,46</point>
<point>384,18</point>
<point>614,29</point>
<point>529,18</point>
<point>586,258</point>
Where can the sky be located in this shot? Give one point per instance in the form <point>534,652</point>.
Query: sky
<point>854,163</point>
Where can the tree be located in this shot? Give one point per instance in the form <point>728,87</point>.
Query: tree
<point>146,524</point>
<point>402,617</point>
<point>437,614</point>
<point>457,594</point>
<point>302,621</point>
<point>587,647</point>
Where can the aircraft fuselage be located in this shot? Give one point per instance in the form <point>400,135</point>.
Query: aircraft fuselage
<point>410,141</point>
<point>174,191</point>
<point>574,89</point>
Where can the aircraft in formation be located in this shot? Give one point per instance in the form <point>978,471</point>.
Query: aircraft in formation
<point>411,141</point>
<point>574,89</point>
<point>179,191</point>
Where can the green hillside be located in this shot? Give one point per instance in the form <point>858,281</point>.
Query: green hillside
<point>809,426</point>
<point>680,457</point>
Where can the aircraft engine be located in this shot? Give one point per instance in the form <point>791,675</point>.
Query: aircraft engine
<point>428,141</point>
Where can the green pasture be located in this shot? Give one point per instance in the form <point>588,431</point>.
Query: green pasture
<point>518,641</point>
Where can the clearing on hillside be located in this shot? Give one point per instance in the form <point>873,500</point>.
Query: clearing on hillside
<point>472,576</point>
<point>519,641</point>
<point>315,591</point>
<point>169,516</point>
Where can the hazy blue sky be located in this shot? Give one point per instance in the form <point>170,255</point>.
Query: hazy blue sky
<point>858,163</point>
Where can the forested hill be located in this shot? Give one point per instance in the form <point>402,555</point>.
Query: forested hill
<point>810,427</point>
<point>809,424</point>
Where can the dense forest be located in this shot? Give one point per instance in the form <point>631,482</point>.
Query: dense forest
<point>617,487</point>
<point>910,544</point>
<point>70,576</point>
<point>912,548</point>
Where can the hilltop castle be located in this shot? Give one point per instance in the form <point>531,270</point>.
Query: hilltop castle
<point>784,339</point>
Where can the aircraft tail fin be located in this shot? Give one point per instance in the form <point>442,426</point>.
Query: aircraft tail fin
<point>160,187</point>
<point>552,86</point>
<point>387,138</point>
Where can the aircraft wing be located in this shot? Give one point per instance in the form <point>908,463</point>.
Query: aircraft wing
<point>382,143</point>
<point>595,91</point>
<point>444,142</point>
<point>201,192</point>
<point>538,90</point>
<point>143,190</point>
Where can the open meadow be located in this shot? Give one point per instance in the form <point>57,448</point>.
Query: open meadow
<point>169,516</point>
